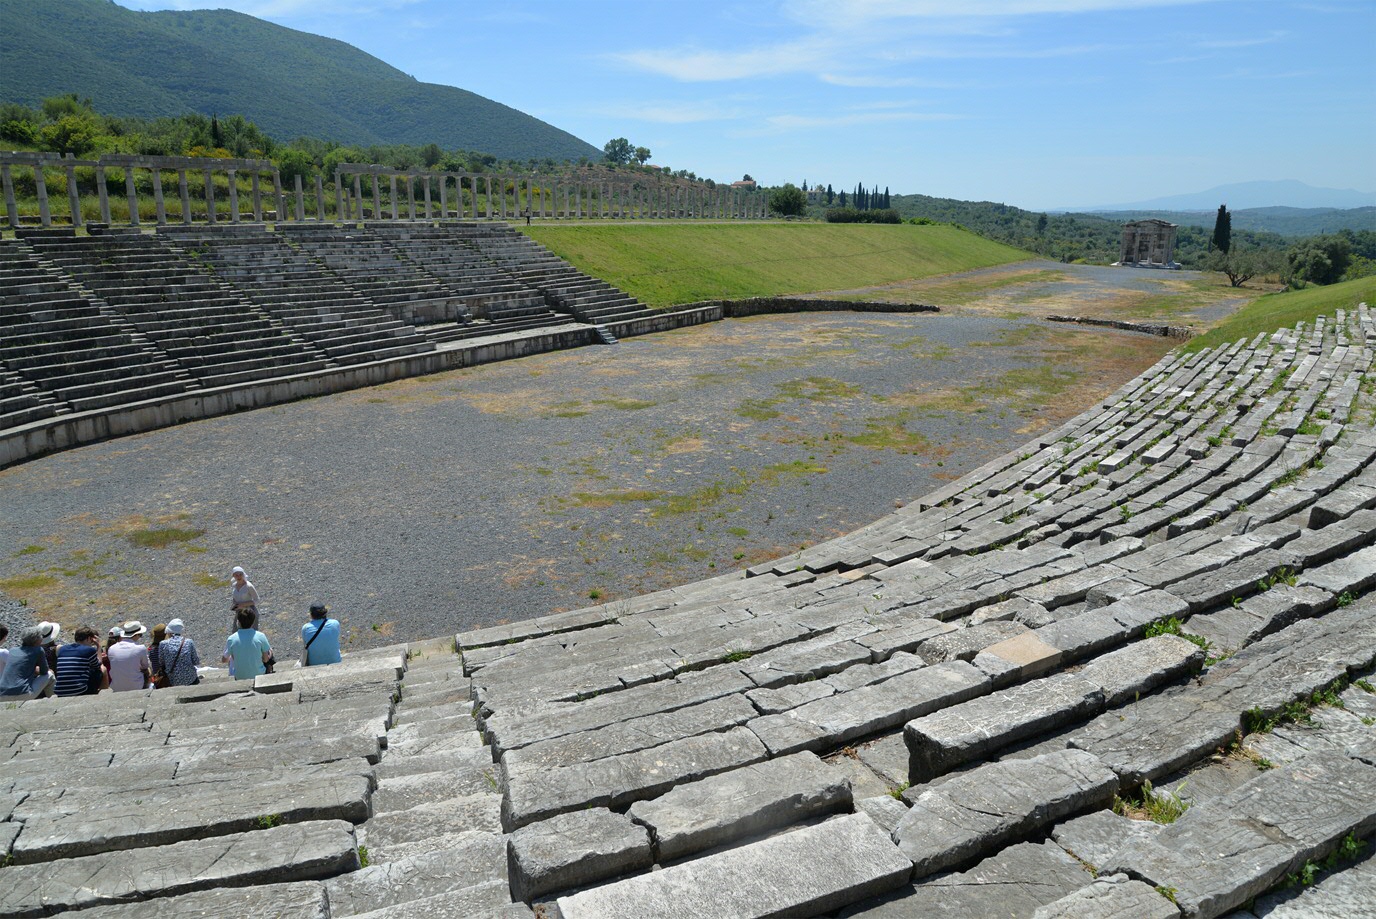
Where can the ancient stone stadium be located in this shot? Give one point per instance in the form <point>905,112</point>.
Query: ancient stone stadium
<point>1123,671</point>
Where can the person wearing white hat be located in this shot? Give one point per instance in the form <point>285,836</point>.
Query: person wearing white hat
<point>50,632</point>
<point>130,668</point>
<point>179,656</point>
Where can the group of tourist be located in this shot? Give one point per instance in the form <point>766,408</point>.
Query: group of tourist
<point>42,665</point>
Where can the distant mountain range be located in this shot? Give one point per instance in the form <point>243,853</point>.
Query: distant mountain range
<point>1286,221</point>
<point>1245,196</point>
<point>290,83</point>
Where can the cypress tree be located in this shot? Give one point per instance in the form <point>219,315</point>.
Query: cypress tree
<point>1223,230</point>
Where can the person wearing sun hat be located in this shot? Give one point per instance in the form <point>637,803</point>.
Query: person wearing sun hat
<point>27,675</point>
<point>130,668</point>
<point>179,656</point>
<point>50,632</point>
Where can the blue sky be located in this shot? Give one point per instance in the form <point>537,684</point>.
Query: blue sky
<point>1037,103</point>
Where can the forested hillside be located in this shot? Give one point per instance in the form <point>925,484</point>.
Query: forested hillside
<point>289,83</point>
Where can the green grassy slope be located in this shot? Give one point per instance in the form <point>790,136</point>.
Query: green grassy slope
<point>683,263</point>
<point>1274,311</point>
<point>220,62</point>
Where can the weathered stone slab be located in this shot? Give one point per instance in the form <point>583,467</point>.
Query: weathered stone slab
<point>478,860</point>
<point>1347,893</point>
<point>1238,579</point>
<point>1084,635</point>
<point>1095,837</point>
<point>539,793</point>
<point>944,739</point>
<point>1009,885</point>
<point>160,819</point>
<point>985,809</point>
<point>1019,658</point>
<point>516,730</point>
<point>1112,897</point>
<point>469,813</point>
<point>574,850</point>
<point>1220,854</point>
<point>1157,735</point>
<point>297,900</point>
<point>299,851</point>
<point>778,792</point>
<point>490,900</point>
<point>870,709</point>
<point>632,734</point>
<point>905,637</point>
<point>885,810</point>
<point>782,735</point>
<point>1352,574</point>
<point>866,674</point>
<point>1131,672</point>
<point>808,872</point>
<point>964,644</point>
<point>773,701</point>
<point>1231,628</point>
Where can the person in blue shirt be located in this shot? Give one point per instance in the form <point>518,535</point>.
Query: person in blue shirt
<point>248,648</point>
<point>27,675</point>
<point>320,638</point>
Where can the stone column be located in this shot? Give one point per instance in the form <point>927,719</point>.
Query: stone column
<point>158,201</point>
<point>209,197</point>
<point>300,200</point>
<point>233,195</point>
<point>357,208</point>
<point>74,198</point>
<point>185,194</point>
<point>501,196</point>
<point>341,198</point>
<point>320,198</point>
<point>444,197</point>
<point>11,206</point>
<point>410,196</point>
<point>103,194</point>
<point>277,196</point>
<point>393,182</point>
<point>131,195</point>
<point>41,185</point>
<point>257,191</point>
<point>427,197</point>
<point>377,198</point>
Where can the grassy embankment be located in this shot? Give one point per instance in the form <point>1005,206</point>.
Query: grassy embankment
<point>1274,311</point>
<point>664,265</point>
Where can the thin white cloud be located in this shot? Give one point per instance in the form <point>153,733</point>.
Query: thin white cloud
<point>694,65</point>
<point>798,122</point>
<point>863,82</point>
<point>1224,43</point>
<point>850,13</point>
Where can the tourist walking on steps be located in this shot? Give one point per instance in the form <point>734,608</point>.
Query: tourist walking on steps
<point>320,638</point>
<point>247,651</point>
<point>79,670</point>
<point>27,675</point>
<point>179,656</point>
<point>242,596</point>
<point>130,668</point>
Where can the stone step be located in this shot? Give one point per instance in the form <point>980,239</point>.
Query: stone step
<point>479,860</point>
<point>295,852</point>
<point>812,871</point>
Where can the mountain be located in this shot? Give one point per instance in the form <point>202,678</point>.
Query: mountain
<point>1285,221</point>
<point>292,84</point>
<point>1247,195</point>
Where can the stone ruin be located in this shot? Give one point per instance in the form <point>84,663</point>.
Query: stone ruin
<point>1148,244</point>
<point>966,709</point>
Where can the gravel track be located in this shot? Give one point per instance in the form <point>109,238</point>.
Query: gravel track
<point>502,492</point>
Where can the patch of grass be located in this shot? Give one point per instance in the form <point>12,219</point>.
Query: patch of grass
<point>268,821</point>
<point>1153,805</point>
<point>363,857</point>
<point>208,581</point>
<point>25,582</point>
<point>757,410</point>
<point>1347,850</point>
<point>162,537</point>
<point>736,657</point>
<point>626,405</point>
<point>31,550</point>
<point>669,264</point>
<point>611,498</point>
<point>739,532</point>
<point>1274,311</point>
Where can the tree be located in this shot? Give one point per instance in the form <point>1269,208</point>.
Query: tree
<point>1320,260</point>
<point>1241,265</point>
<point>1041,225</point>
<point>293,162</point>
<point>74,134</point>
<point>1223,231</point>
<point>618,151</point>
<point>642,155</point>
<point>841,199</point>
<point>789,201</point>
<point>747,178</point>
<point>431,154</point>
<point>831,195</point>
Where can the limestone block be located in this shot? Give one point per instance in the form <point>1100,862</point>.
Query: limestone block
<point>782,735</point>
<point>742,802</point>
<point>1157,735</point>
<point>1095,837</point>
<point>1352,574</point>
<point>480,813</point>
<point>850,715</point>
<point>478,860</point>
<point>808,872</point>
<point>963,644</point>
<point>865,674</point>
<point>1111,897</point>
<point>297,900</point>
<point>299,851</point>
<point>490,900</point>
<point>131,822</point>
<point>944,739</point>
<point>885,810</point>
<point>1015,882</point>
<point>540,793</point>
<point>907,636</point>
<point>773,701</point>
<point>1028,655</point>
<point>1344,894</point>
<point>574,850</point>
<point>1131,672</point>
<point>982,810</point>
<point>1084,635</point>
<point>632,734</point>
